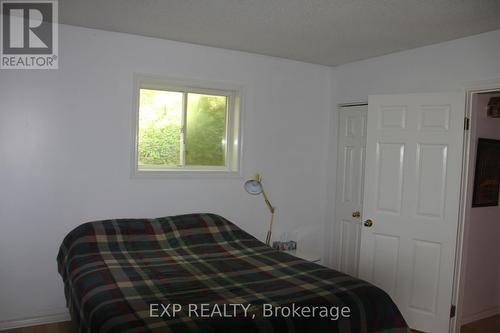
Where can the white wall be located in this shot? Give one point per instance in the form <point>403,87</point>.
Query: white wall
<point>482,276</point>
<point>65,140</point>
<point>440,67</point>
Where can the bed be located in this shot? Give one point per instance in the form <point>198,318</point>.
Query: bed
<point>202,273</point>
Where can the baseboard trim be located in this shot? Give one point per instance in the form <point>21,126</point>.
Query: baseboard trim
<point>480,315</point>
<point>42,320</point>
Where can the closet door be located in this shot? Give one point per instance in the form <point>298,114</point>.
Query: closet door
<point>349,191</point>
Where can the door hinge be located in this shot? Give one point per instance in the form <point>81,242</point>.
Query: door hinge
<point>453,310</point>
<point>466,123</point>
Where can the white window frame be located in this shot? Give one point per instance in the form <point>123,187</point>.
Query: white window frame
<point>233,149</point>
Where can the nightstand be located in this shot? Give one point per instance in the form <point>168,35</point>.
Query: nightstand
<point>304,255</point>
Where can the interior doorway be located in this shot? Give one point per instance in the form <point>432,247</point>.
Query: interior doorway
<point>479,291</point>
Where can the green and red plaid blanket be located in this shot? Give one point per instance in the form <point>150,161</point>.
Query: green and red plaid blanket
<point>201,273</point>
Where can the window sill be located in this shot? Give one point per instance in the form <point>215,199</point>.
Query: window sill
<point>186,174</point>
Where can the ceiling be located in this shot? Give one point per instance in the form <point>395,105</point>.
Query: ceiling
<point>327,32</point>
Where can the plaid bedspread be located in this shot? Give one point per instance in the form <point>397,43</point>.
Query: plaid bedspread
<point>201,273</point>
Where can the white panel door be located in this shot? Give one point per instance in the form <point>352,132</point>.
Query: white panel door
<point>411,194</point>
<point>349,189</point>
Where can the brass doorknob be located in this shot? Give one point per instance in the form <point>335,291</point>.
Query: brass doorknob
<point>368,223</point>
<point>356,214</point>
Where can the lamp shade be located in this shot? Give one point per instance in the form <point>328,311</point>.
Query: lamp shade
<point>253,186</point>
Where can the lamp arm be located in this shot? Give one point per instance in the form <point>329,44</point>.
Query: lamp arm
<point>268,203</point>
<point>271,209</point>
<point>270,230</point>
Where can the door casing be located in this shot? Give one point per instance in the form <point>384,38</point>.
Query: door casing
<point>470,89</point>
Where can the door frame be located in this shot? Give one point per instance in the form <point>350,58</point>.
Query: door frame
<point>470,89</point>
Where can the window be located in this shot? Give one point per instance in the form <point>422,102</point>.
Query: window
<point>181,128</point>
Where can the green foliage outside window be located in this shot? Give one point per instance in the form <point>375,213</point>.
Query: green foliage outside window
<point>160,129</point>
<point>206,130</point>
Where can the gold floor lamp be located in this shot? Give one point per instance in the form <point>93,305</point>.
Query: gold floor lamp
<point>254,187</point>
